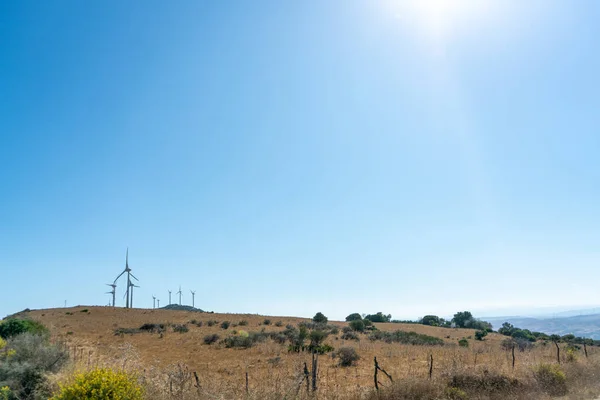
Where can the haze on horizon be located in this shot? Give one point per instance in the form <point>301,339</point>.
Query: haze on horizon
<point>287,158</point>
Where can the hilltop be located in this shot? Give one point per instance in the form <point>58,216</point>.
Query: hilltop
<point>175,348</point>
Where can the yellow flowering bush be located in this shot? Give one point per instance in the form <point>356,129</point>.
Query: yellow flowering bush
<point>102,384</point>
<point>2,343</point>
<point>5,393</point>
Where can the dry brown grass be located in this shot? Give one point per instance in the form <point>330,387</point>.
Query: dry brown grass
<point>167,362</point>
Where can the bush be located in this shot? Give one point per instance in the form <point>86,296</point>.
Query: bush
<point>278,324</point>
<point>463,343</point>
<point>350,336</point>
<point>402,337</point>
<point>225,324</point>
<point>24,363</point>
<point>479,335</point>
<point>245,341</point>
<point>319,318</point>
<point>353,317</point>
<point>102,384</point>
<point>15,326</point>
<point>357,325</point>
<point>181,328</point>
<point>210,339</point>
<point>267,321</point>
<point>347,355</point>
<point>153,327</point>
<point>551,379</point>
<point>243,323</point>
<point>212,323</point>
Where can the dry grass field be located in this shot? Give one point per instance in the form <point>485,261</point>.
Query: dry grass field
<point>166,361</point>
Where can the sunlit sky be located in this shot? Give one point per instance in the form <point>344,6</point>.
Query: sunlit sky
<point>284,158</point>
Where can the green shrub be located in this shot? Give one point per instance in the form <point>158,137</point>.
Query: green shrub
<point>357,325</point>
<point>85,310</point>
<point>267,321</point>
<point>210,339</point>
<point>350,336</point>
<point>15,326</point>
<point>102,384</point>
<point>25,362</point>
<point>181,328</point>
<point>245,341</point>
<point>551,379</point>
<point>347,355</point>
<point>319,318</point>
<point>479,335</point>
<point>243,323</point>
<point>225,324</point>
<point>212,323</point>
<point>279,324</point>
<point>463,342</point>
<point>150,327</point>
<point>403,337</point>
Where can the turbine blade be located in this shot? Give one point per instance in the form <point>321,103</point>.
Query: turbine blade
<point>130,274</point>
<point>118,276</point>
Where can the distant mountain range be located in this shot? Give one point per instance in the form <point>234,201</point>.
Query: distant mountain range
<point>578,322</point>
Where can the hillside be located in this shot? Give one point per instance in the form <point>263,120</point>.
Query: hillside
<point>580,325</point>
<point>107,336</point>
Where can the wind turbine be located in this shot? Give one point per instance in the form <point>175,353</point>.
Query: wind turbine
<point>128,293</point>
<point>179,294</point>
<point>193,296</point>
<point>153,301</point>
<point>113,291</point>
<point>131,285</point>
<point>169,297</point>
<point>158,302</point>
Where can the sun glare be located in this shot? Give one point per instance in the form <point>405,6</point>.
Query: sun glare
<point>443,19</point>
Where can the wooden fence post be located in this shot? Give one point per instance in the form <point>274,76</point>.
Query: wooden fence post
<point>315,363</point>
<point>585,350</point>
<point>375,374</point>
<point>557,352</point>
<point>430,365</point>
<point>513,357</point>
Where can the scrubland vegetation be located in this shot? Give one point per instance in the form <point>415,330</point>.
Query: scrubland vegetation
<point>135,354</point>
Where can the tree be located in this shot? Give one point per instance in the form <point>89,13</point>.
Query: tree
<point>507,329</point>
<point>379,317</point>
<point>431,320</point>
<point>320,318</point>
<point>462,319</point>
<point>353,317</point>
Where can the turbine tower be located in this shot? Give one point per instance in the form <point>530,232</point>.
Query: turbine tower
<point>179,294</point>
<point>153,301</point>
<point>169,297</point>
<point>113,291</point>
<point>130,285</point>
<point>193,297</point>
<point>158,302</point>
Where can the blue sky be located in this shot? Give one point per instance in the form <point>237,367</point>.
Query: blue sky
<point>287,158</point>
